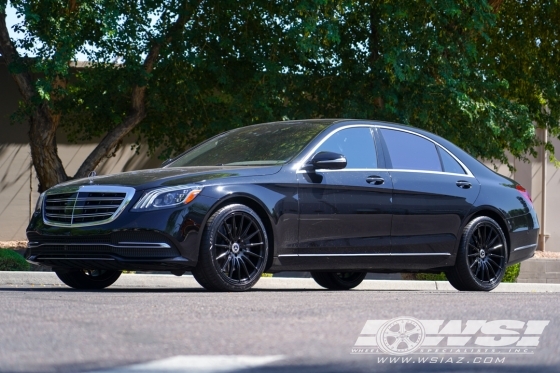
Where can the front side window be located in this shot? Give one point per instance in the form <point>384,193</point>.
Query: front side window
<point>356,144</point>
<point>411,152</point>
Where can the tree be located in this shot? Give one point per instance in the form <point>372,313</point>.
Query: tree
<point>480,73</point>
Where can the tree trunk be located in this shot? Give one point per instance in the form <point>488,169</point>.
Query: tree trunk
<point>42,131</point>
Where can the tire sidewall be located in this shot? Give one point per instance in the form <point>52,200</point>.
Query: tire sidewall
<point>209,250</point>
<point>462,257</point>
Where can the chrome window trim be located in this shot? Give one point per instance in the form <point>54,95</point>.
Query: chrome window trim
<point>89,188</point>
<point>366,254</point>
<point>121,245</point>
<point>525,247</point>
<point>298,166</point>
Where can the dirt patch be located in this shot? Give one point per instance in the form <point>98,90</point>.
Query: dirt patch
<point>15,245</point>
<point>547,255</point>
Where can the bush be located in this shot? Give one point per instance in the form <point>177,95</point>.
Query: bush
<point>12,261</point>
<point>511,273</point>
<point>510,276</point>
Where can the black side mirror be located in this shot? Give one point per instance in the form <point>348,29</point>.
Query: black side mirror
<point>166,162</point>
<point>327,161</point>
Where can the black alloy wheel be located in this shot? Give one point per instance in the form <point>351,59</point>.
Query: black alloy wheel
<point>481,258</point>
<point>338,280</point>
<point>88,279</point>
<point>234,250</point>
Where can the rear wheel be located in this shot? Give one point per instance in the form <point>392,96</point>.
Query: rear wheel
<point>88,279</point>
<point>234,250</point>
<point>338,280</point>
<point>481,257</point>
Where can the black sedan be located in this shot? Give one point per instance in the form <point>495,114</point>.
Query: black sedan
<point>339,198</point>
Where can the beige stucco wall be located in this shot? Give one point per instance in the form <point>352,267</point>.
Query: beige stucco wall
<point>18,183</point>
<point>16,191</point>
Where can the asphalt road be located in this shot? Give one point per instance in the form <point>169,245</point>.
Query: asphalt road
<point>48,329</point>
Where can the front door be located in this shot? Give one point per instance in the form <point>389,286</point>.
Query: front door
<point>345,214</point>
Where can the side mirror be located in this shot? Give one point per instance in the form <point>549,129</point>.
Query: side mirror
<point>326,161</point>
<point>166,162</point>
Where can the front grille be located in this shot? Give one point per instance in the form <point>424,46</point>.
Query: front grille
<point>85,205</point>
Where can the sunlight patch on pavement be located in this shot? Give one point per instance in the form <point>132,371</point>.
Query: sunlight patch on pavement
<point>197,364</point>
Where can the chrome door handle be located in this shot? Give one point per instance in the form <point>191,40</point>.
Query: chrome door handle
<point>376,180</point>
<point>464,184</point>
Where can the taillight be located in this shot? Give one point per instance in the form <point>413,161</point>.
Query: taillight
<point>524,192</point>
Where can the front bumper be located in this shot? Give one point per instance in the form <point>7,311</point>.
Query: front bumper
<point>124,250</point>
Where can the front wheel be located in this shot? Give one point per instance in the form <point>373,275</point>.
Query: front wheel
<point>481,257</point>
<point>233,251</point>
<point>88,279</point>
<point>338,280</point>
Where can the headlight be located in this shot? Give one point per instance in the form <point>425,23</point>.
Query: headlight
<point>39,205</point>
<point>167,197</point>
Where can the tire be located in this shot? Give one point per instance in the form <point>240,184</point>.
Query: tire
<point>233,251</point>
<point>481,258</point>
<point>338,280</point>
<point>88,279</point>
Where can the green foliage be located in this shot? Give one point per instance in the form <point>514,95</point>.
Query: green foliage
<point>479,76</point>
<point>512,272</point>
<point>12,261</point>
<point>431,276</point>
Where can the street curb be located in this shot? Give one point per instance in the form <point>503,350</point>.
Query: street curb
<point>44,279</point>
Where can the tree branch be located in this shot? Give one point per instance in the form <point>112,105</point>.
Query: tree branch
<point>138,99</point>
<point>10,55</point>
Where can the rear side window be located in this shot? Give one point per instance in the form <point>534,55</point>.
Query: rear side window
<point>356,144</point>
<point>449,163</point>
<point>411,152</point>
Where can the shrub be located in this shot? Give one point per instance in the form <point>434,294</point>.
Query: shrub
<point>12,261</point>
<point>511,273</point>
<point>510,276</point>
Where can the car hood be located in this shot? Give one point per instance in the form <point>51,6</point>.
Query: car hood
<point>146,179</point>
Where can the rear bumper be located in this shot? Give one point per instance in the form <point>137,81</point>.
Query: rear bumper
<point>522,245</point>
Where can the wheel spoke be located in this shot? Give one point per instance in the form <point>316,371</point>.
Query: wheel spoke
<point>253,254</point>
<point>231,267</point>
<point>489,267</point>
<point>473,263</point>
<point>496,247</point>
<point>228,228</point>
<point>474,247</point>
<point>221,245</point>
<point>252,235</point>
<point>492,262</point>
<point>226,263</point>
<point>494,239</point>
<point>254,244</point>
<point>473,254</point>
<point>222,255</point>
<point>244,234</point>
<point>486,270</point>
<point>224,237</point>
<point>238,268</point>
<point>249,261</point>
<point>233,228</point>
<point>240,227</point>
<point>245,268</point>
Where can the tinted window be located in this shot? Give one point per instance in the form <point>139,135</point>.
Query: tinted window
<point>449,163</point>
<point>261,144</point>
<point>356,144</point>
<point>411,152</point>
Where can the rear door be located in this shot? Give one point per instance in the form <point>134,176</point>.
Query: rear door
<point>432,194</point>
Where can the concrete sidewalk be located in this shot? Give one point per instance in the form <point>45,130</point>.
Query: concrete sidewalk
<point>148,281</point>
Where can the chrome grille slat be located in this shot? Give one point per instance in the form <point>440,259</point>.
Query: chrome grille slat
<point>85,205</point>
<point>88,207</point>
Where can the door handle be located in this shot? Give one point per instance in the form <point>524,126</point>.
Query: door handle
<point>376,180</point>
<point>464,184</point>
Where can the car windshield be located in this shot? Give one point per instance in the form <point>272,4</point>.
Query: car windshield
<point>262,144</point>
